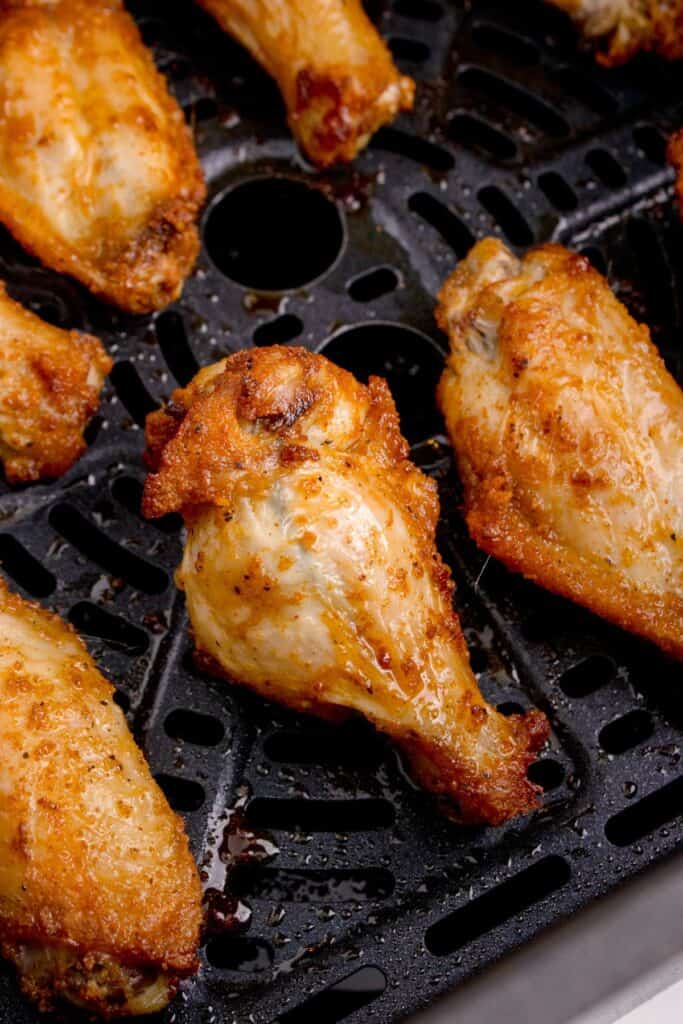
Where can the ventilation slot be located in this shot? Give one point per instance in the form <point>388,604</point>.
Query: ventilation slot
<point>626,732</point>
<point>132,392</point>
<point>498,905</point>
<point>339,1000</point>
<point>649,814</point>
<point>239,953</point>
<point>456,234</point>
<point>302,886</point>
<point>175,347</point>
<point>279,331</point>
<point>182,794</point>
<point>652,142</point>
<point>91,620</point>
<point>106,553</point>
<point>421,10</point>
<point>587,676</point>
<point>558,191</point>
<point>392,140</point>
<point>373,284</point>
<point>510,707</point>
<point>605,168</point>
<point>320,815</point>
<point>586,90</point>
<point>348,745</point>
<point>480,135</point>
<point>24,569</point>
<point>506,214</point>
<point>504,43</point>
<point>411,50</point>
<point>193,727</point>
<point>128,492</point>
<point>527,106</point>
<point>547,774</point>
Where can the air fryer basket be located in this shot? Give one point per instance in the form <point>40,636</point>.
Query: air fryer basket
<point>351,897</point>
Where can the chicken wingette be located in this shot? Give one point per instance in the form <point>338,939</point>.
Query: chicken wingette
<point>568,431</point>
<point>310,569</point>
<point>336,76</point>
<point>99,896</point>
<point>98,173</point>
<point>50,383</point>
<point>621,28</point>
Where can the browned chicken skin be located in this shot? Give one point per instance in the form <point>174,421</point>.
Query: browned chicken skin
<point>569,435</point>
<point>336,76</point>
<point>98,173</point>
<point>310,569</point>
<point>50,383</point>
<point>100,900</point>
<point>623,27</point>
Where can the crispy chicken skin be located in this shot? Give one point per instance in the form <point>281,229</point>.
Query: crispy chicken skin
<point>99,896</point>
<point>311,573</point>
<point>568,431</point>
<point>623,27</point>
<point>50,383</point>
<point>336,76</point>
<point>98,173</point>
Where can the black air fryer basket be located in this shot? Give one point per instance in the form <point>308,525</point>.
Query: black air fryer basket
<point>351,897</point>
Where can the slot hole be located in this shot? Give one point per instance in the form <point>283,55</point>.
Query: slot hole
<point>454,232</point>
<point>373,284</point>
<point>110,556</point>
<point>320,815</point>
<point>644,817</point>
<point>279,331</point>
<point>352,744</point>
<point>91,620</point>
<point>626,732</point>
<point>131,391</point>
<point>283,885</point>
<point>472,131</point>
<point>546,773</point>
<point>587,676</point>
<point>515,99</point>
<point>175,347</point>
<point>510,707</point>
<point>392,140</point>
<point>339,1000</point>
<point>586,90</point>
<point>421,10</point>
<point>183,795</point>
<point>194,727</point>
<point>558,191</point>
<point>239,953</point>
<point>411,50</point>
<point>605,167</point>
<point>128,492</point>
<point>26,571</point>
<point>507,215</point>
<point>505,43</point>
<point>651,142</point>
<point>498,905</point>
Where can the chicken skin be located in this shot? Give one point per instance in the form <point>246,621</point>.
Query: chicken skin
<point>310,569</point>
<point>568,431</point>
<point>623,27</point>
<point>50,383</point>
<point>99,895</point>
<point>98,173</point>
<point>336,76</point>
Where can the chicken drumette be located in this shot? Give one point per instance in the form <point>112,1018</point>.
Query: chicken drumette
<point>623,27</point>
<point>98,173</point>
<point>50,383</point>
<point>569,435</point>
<point>100,901</point>
<point>310,569</point>
<point>336,76</point>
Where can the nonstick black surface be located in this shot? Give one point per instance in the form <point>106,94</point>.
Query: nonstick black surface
<point>358,900</point>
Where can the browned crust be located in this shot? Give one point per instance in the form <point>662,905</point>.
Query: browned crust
<point>50,382</point>
<point>654,26</point>
<point>492,495</point>
<point>141,271</point>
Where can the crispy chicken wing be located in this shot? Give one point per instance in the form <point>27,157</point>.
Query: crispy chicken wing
<point>98,173</point>
<point>311,573</point>
<point>569,435</point>
<point>623,27</point>
<point>99,896</point>
<point>336,76</point>
<point>50,383</point>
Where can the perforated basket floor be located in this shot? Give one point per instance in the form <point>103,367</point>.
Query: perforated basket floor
<point>359,901</point>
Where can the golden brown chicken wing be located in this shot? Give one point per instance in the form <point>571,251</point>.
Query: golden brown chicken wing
<point>336,76</point>
<point>623,27</point>
<point>98,173</point>
<point>99,896</point>
<point>310,569</point>
<point>569,435</point>
<point>50,383</point>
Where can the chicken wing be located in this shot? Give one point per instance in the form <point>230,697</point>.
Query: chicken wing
<point>336,76</point>
<point>98,173</point>
<point>50,383</point>
<point>623,27</point>
<point>569,435</point>
<point>310,569</point>
<point>99,896</point>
